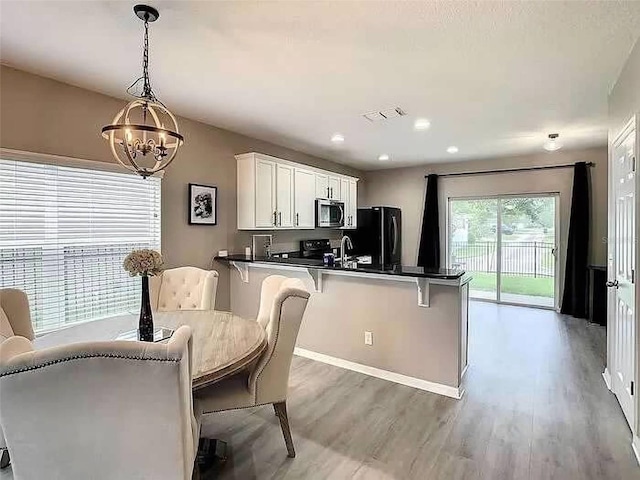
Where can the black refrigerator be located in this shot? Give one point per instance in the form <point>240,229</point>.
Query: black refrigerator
<point>379,234</point>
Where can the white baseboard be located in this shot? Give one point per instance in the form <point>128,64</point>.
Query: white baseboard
<point>607,378</point>
<point>635,445</point>
<point>418,383</point>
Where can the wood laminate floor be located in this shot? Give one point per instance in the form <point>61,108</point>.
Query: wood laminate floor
<point>535,407</point>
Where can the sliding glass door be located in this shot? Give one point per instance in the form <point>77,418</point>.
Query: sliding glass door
<point>508,245</point>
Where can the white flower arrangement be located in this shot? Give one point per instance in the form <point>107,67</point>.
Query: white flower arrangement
<point>144,263</point>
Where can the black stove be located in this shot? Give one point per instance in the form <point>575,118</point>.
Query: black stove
<point>315,249</point>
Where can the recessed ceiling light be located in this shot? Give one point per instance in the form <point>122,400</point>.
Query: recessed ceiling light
<point>452,149</point>
<point>553,143</point>
<point>384,157</point>
<point>337,138</point>
<point>421,124</point>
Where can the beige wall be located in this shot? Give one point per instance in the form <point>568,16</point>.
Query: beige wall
<point>41,115</point>
<point>420,342</point>
<point>405,188</point>
<point>624,103</point>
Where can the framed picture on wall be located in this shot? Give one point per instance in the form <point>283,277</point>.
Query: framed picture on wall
<point>203,204</point>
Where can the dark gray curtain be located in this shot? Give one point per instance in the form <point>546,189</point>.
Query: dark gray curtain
<point>429,251</point>
<point>574,298</point>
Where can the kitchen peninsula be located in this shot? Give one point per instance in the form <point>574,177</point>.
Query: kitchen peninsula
<point>404,324</point>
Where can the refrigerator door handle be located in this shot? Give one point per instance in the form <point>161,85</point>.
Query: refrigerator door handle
<point>395,234</point>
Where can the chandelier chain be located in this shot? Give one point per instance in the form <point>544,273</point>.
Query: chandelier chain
<point>146,89</point>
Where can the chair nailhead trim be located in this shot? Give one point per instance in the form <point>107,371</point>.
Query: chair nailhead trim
<point>79,357</point>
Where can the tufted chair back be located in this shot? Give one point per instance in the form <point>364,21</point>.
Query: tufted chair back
<point>286,300</point>
<point>184,288</point>
<point>99,410</point>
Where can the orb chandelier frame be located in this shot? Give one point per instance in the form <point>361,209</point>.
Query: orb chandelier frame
<point>144,129</point>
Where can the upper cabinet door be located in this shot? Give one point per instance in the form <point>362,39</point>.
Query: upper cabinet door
<point>334,188</point>
<point>353,204</point>
<point>344,196</point>
<point>284,196</point>
<point>265,194</point>
<point>322,186</point>
<point>344,192</point>
<point>349,190</point>
<point>305,199</point>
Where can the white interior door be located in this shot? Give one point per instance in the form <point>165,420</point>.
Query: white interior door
<point>622,267</point>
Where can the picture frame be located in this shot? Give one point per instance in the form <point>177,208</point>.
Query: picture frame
<point>202,204</point>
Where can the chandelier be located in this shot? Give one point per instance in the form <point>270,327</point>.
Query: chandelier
<point>144,135</point>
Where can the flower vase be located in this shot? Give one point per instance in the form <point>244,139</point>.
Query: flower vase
<point>145,327</point>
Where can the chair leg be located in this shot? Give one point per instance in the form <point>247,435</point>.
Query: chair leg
<point>4,458</point>
<point>281,412</point>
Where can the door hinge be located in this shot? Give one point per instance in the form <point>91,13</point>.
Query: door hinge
<point>632,387</point>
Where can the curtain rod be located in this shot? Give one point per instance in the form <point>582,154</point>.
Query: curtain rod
<point>508,170</point>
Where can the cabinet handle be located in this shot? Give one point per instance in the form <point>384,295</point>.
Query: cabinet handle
<point>297,219</point>
<point>280,218</point>
<point>331,192</point>
<point>275,217</point>
<point>328,193</point>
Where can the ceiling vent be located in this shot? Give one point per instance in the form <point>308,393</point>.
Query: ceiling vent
<point>384,115</point>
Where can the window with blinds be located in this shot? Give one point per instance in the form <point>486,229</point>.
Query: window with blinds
<point>64,232</point>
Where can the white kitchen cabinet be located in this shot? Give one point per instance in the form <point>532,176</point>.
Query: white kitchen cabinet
<point>349,195</point>
<point>305,198</point>
<point>327,186</point>
<point>334,188</point>
<point>352,209</point>
<point>322,185</point>
<point>265,206</point>
<point>284,196</point>
<point>274,194</point>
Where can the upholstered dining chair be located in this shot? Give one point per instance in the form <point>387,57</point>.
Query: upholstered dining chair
<point>101,410</point>
<point>184,288</point>
<point>282,305</point>
<point>15,319</point>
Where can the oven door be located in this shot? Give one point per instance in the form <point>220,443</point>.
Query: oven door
<point>329,213</point>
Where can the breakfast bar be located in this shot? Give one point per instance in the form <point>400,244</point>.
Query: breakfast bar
<point>405,324</point>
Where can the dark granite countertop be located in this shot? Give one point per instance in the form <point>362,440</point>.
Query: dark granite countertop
<point>401,270</point>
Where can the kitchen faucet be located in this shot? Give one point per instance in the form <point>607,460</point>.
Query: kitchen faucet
<point>344,244</point>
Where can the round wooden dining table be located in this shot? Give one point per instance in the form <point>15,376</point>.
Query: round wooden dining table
<point>223,343</point>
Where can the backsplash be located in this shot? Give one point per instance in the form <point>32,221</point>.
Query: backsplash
<point>285,240</point>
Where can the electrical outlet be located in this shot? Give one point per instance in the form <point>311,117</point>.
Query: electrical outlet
<point>368,338</point>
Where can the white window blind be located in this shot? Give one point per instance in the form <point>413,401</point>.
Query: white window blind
<point>64,232</point>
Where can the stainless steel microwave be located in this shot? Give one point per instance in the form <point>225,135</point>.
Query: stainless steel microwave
<point>329,213</point>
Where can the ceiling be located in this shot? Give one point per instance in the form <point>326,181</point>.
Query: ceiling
<point>494,78</point>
